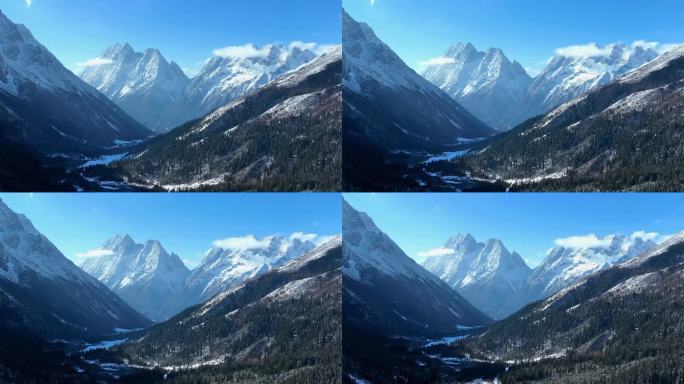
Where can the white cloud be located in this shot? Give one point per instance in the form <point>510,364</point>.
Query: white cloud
<point>252,242</point>
<point>243,242</point>
<point>436,252</point>
<point>645,236</point>
<point>441,60</point>
<point>250,51</point>
<point>586,241</point>
<point>302,45</point>
<point>585,50</point>
<point>246,51</point>
<point>95,62</point>
<point>594,50</point>
<point>593,241</point>
<point>372,2</point>
<point>324,48</point>
<point>645,44</point>
<point>324,239</point>
<point>28,3</point>
<point>97,252</point>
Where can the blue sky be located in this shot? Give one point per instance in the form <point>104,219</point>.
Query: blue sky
<point>185,31</point>
<point>527,223</point>
<point>527,30</point>
<point>187,224</point>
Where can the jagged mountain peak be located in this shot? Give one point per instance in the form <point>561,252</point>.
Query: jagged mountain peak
<point>235,260</point>
<point>145,275</point>
<point>485,273</point>
<point>562,266</point>
<point>485,82</point>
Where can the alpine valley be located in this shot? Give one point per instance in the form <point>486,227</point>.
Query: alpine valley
<point>266,311</point>
<point>596,118</point>
<point>595,310</point>
<point>134,121</point>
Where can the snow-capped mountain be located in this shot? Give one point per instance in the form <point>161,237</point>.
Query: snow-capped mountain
<point>144,84</point>
<point>147,277</point>
<point>284,136</point>
<point>386,291</point>
<point>563,266</point>
<point>227,266</point>
<point>46,108</point>
<point>388,104</point>
<point>489,276</point>
<point>486,83</point>
<point>566,77</point>
<point>44,293</point>
<point>225,79</point>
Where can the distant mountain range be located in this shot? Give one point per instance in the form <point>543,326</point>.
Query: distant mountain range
<point>159,285</point>
<point>500,283</point>
<point>159,95</point>
<point>503,95</point>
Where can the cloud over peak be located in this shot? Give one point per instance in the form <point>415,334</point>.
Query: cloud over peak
<point>95,62</point>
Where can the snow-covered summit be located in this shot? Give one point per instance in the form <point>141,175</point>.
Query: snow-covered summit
<point>563,266</point>
<point>487,83</point>
<point>235,260</point>
<point>487,274</point>
<point>144,84</point>
<point>121,262</point>
<point>145,275</point>
<point>567,76</point>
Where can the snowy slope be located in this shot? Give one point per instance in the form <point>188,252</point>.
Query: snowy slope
<point>486,274</point>
<point>564,266</point>
<point>41,291</point>
<point>45,107</point>
<point>224,268</point>
<point>144,275</point>
<point>386,291</point>
<point>144,84</point>
<point>389,104</point>
<point>566,77</point>
<point>485,83</point>
<point>224,79</point>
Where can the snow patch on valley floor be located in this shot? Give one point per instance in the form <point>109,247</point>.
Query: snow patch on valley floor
<point>357,380</point>
<point>447,156</point>
<point>104,160</point>
<point>104,345</point>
